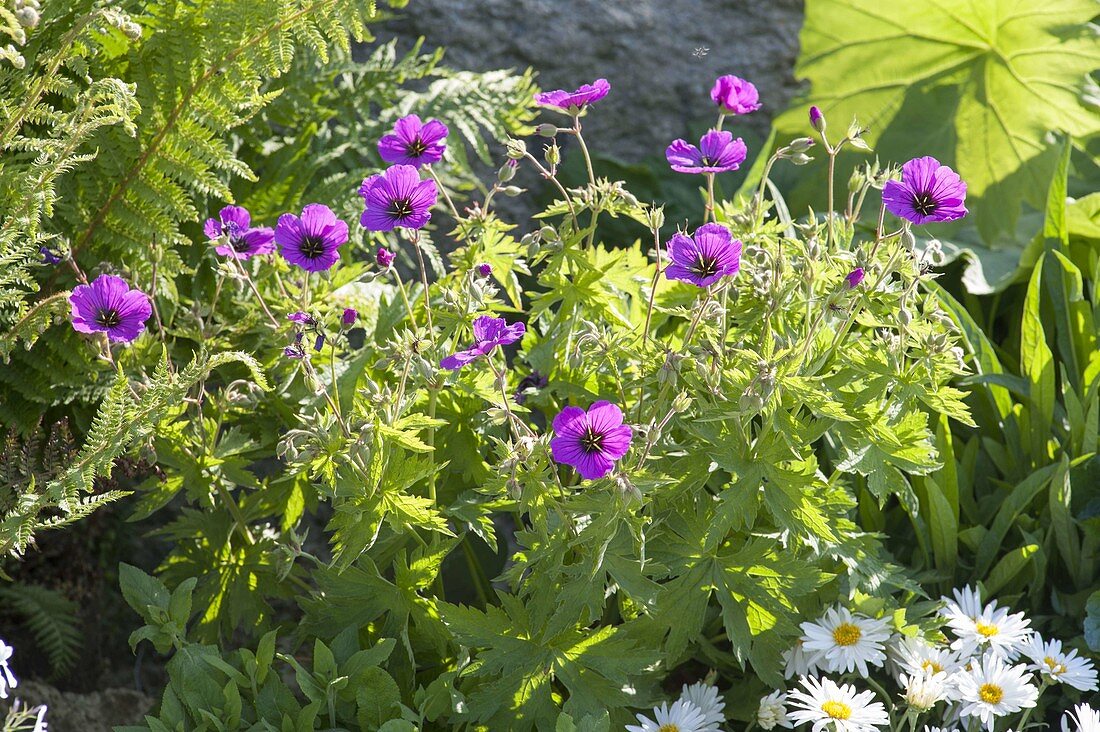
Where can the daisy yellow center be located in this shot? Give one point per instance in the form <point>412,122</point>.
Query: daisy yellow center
<point>990,693</point>
<point>847,634</point>
<point>670,727</point>
<point>1054,666</point>
<point>986,630</point>
<point>836,709</point>
<point>929,664</point>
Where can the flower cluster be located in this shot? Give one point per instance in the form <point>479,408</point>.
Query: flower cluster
<point>697,710</point>
<point>991,666</point>
<point>19,718</point>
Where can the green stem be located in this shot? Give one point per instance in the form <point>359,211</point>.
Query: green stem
<point>423,280</point>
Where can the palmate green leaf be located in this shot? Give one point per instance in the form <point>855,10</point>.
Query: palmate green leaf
<point>977,84</point>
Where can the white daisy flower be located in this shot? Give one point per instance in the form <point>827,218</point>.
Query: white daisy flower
<point>992,689</point>
<point>7,678</point>
<point>1058,667</point>
<point>773,711</point>
<point>980,629</point>
<point>682,716</point>
<point>705,698</point>
<point>798,662</point>
<point>916,655</point>
<point>825,704</point>
<point>939,729</point>
<point>1085,719</point>
<point>840,641</point>
<point>924,690</point>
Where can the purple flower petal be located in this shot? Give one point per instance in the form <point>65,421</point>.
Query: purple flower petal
<point>108,305</point>
<point>734,95</point>
<point>927,192</point>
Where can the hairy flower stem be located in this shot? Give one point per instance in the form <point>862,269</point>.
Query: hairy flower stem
<point>760,190</point>
<point>433,396</point>
<point>235,511</point>
<point>404,296</point>
<point>830,216</point>
<point>561,189</point>
<point>708,212</point>
<point>443,190</point>
<point>591,176</point>
<point>423,279</point>
<point>653,284</point>
<point>252,285</point>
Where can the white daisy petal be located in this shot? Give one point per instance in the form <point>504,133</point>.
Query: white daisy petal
<point>990,689</point>
<point>705,698</point>
<point>682,716</point>
<point>825,704</point>
<point>1060,667</point>
<point>1084,718</point>
<point>841,642</point>
<point>989,629</point>
<point>773,711</point>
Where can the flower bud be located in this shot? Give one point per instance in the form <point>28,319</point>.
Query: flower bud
<point>384,258</point>
<point>854,278</point>
<point>801,144</point>
<point>27,17</point>
<point>320,342</point>
<point>511,191</point>
<point>800,159</point>
<point>904,316</point>
<point>855,181</point>
<point>507,171</point>
<point>681,403</point>
<point>908,239</point>
<point>484,270</point>
<point>751,401</point>
<point>656,216</point>
<point>516,148</point>
<point>349,317</point>
<point>817,119</point>
<point>553,154</point>
<point>547,130</point>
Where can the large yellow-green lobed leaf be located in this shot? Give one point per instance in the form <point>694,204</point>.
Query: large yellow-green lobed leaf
<point>983,85</point>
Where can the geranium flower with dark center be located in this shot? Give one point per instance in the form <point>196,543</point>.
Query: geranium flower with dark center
<point>573,103</point>
<point>704,258</point>
<point>734,95</point>
<point>489,332</point>
<point>238,238</point>
<point>108,305</point>
<point>718,152</point>
<point>927,192</point>
<point>397,198</point>
<point>590,441</point>
<point>414,143</point>
<point>313,240</point>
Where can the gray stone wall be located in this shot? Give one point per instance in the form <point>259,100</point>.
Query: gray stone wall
<point>661,56</point>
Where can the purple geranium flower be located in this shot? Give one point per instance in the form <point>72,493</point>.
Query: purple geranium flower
<point>397,198</point>
<point>704,258</point>
<point>574,102</point>
<point>484,270</point>
<point>48,257</point>
<point>301,318</point>
<point>853,278</point>
<point>384,257</point>
<point>312,241</point>
<point>926,192</point>
<point>414,143</point>
<point>590,441</point>
<point>717,153</point>
<point>489,332</point>
<point>735,95</point>
<point>108,305</point>
<point>241,239</point>
<point>349,317</point>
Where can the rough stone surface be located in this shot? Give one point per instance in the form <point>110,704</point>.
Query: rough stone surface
<point>661,56</point>
<point>99,711</point>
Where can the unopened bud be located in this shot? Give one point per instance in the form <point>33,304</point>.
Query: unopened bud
<point>507,172</point>
<point>511,191</point>
<point>553,154</point>
<point>681,403</point>
<point>656,216</point>
<point>800,159</point>
<point>817,119</point>
<point>801,144</point>
<point>516,148</point>
<point>547,130</point>
<point>904,316</point>
<point>908,239</point>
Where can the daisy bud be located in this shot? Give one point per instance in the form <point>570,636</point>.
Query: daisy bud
<point>516,149</point>
<point>817,119</point>
<point>547,130</point>
<point>27,17</point>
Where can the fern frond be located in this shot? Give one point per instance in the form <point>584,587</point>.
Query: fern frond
<point>52,620</point>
